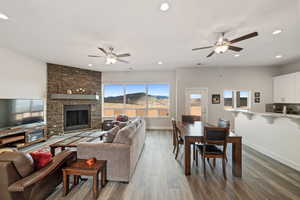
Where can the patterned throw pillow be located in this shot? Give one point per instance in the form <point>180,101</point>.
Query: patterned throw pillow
<point>109,136</point>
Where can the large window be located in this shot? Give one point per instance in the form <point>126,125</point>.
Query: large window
<point>234,99</point>
<point>150,100</point>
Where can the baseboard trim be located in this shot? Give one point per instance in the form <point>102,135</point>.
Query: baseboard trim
<point>272,155</point>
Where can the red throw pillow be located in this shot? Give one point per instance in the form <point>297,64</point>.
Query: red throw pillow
<point>41,159</point>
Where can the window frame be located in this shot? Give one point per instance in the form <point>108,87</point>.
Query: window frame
<point>146,109</point>
<point>234,98</point>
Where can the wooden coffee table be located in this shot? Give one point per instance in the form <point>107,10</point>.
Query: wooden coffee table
<point>80,168</point>
<point>72,142</point>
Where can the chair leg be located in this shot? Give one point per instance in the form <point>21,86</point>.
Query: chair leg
<point>194,151</point>
<point>204,166</point>
<point>174,148</point>
<point>177,150</point>
<point>224,168</point>
<point>207,160</point>
<point>214,162</point>
<point>196,155</point>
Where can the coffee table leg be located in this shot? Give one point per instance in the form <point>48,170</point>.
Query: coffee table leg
<point>95,185</point>
<point>76,180</point>
<point>52,150</point>
<point>66,183</point>
<point>103,176</point>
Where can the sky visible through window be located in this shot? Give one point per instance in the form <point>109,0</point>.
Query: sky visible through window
<point>153,89</point>
<point>228,94</point>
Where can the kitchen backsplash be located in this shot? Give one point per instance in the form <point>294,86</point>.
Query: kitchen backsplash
<point>278,108</point>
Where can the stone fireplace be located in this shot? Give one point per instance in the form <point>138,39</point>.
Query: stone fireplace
<point>79,110</point>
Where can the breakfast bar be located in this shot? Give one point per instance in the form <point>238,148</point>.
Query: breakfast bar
<point>273,134</point>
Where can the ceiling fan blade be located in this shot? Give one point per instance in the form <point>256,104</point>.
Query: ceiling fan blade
<point>101,49</point>
<point>94,56</point>
<point>195,49</point>
<point>123,55</point>
<point>123,61</point>
<point>233,48</point>
<point>245,37</point>
<point>209,55</point>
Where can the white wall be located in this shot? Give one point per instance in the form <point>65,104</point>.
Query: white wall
<point>21,76</point>
<point>147,77</point>
<point>255,79</point>
<point>289,68</point>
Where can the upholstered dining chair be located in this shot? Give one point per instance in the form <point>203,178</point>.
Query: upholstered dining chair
<point>177,139</point>
<point>214,146</point>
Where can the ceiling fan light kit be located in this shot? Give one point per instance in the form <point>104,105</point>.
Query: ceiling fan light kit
<point>223,44</point>
<point>110,56</point>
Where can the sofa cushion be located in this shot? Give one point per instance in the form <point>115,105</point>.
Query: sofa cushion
<point>110,135</point>
<point>137,121</point>
<point>23,162</point>
<point>124,135</point>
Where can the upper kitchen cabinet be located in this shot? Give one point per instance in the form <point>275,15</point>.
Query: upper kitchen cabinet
<point>286,88</point>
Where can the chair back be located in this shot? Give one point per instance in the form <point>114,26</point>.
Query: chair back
<point>222,123</point>
<point>216,136</point>
<point>176,131</point>
<point>190,118</point>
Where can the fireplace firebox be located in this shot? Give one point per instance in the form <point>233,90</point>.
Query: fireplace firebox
<point>77,117</point>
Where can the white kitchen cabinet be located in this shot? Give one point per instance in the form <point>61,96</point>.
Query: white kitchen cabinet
<point>285,88</point>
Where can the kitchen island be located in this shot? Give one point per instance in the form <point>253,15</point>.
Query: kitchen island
<point>273,134</point>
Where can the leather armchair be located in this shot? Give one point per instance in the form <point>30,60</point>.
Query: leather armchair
<point>37,185</point>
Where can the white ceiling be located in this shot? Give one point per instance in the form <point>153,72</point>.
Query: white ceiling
<point>66,31</point>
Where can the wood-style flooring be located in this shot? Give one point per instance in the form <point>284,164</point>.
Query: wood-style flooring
<point>159,176</point>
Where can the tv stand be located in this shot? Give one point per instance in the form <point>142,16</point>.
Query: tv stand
<point>23,136</point>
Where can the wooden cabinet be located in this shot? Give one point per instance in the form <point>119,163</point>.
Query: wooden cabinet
<point>286,88</point>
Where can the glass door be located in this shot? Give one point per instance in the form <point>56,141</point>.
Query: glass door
<point>196,103</point>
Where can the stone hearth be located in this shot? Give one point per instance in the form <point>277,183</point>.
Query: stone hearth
<point>60,80</point>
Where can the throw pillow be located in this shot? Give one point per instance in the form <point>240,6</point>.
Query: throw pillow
<point>109,136</point>
<point>41,159</point>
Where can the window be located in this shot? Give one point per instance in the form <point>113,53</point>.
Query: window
<point>236,99</point>
<point>150,100</point>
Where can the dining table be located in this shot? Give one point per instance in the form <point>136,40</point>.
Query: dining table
<point>192,133</point>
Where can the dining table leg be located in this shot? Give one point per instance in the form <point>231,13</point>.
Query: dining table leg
<point>237,158</point>
<point>187,156</point>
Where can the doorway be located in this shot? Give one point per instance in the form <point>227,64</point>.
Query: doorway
<point>196,102</point>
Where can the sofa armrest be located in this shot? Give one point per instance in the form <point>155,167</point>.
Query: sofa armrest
<point>37,176</point>
<point>102,151</point>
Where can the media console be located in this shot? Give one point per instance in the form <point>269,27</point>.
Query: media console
<point>23,136</point>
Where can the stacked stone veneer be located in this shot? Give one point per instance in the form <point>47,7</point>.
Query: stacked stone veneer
<point>60,80</point>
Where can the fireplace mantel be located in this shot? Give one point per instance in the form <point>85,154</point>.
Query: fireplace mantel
<point>75,97</point>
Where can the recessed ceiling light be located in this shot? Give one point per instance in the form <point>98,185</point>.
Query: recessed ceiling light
<point>160,62</point>
<point>276,32</point>
<point>164,6</point>
<point>278,56</point>
<point>2,16</point>
<point>90,65</point>
<point>237,55</point>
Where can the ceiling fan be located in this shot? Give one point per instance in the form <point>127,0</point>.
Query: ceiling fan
<point>223,44</point>
<point>111,57</point>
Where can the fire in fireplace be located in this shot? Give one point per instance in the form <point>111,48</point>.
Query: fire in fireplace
<point>77,117</point>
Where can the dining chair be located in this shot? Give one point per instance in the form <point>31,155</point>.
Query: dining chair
<point>214,146</point>
<point>190,118</point>
<point>178,140</point>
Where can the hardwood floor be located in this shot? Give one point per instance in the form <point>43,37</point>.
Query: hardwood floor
<point>159,176</point>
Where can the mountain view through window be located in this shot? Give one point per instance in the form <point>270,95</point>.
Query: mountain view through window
<point>151,100</point>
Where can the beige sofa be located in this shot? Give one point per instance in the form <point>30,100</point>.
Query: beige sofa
<point>122,154</point>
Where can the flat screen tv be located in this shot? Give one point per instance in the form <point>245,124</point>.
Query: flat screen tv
<point>17,112</point>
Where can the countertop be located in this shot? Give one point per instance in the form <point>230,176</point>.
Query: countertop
<point>265,114</point>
